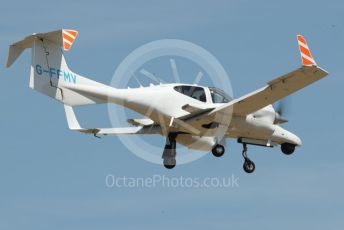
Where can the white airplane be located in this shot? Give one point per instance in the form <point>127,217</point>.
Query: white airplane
<point>194,116</point>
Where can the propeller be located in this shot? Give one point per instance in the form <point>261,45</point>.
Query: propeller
<point>280,111</point>
<point>281,107</point>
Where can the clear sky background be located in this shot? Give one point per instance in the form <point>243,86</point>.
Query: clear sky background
<point>51,178</point>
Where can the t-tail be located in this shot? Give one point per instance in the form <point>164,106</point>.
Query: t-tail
<point>49,73</point>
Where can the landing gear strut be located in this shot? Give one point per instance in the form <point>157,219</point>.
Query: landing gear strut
<point>169,154</point>
<point>248,166</point>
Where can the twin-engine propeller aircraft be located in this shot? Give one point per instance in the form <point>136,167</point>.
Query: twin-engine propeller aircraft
<point>194,116</point>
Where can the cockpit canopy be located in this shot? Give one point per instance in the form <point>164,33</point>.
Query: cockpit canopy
<point>200,93</point>
<point>219,96</point>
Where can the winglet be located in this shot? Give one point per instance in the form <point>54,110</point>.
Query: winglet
<point>306,56</point>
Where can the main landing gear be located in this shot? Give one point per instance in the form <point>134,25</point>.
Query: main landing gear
<point>248,166</point>
<point>169,154</point>
<point>287,148</point>
<point>218,150</point>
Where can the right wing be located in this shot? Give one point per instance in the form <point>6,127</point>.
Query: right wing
<point>274,91</point>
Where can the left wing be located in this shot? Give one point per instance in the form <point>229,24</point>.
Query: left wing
<point>73,124</point>
<point>140,121</point>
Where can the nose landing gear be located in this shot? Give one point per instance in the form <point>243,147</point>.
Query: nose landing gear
<point>169,154</point>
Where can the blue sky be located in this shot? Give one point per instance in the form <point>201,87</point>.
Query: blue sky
<point>53,178</point>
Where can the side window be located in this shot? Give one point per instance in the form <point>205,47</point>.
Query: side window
<point>198,94</point>
<point>218,96</point>
<point>195,92</point>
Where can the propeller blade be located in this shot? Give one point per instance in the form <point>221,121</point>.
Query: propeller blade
<point>198,78</point>
<point>151,76</point>
<point>174,70</point>
<point>281,108</point>
<point>279,119</point>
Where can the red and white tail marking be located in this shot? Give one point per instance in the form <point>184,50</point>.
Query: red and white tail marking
<point>306,56</point>
<point>68,38</point>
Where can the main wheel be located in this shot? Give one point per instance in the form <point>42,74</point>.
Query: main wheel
<point>287,148</point>
<point>218,150</point>
<point>249,166</point>
<point>169,163</point>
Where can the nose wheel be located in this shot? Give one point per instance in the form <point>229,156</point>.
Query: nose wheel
<point>249,165</point>
<point>169,163</point>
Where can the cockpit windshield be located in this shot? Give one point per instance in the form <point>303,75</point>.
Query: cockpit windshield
<point>219,96</point>
<point>195,92</point>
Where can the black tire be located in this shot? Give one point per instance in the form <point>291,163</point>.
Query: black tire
<point>218,150</point>
<point>287,148</point>
<point>249,166</point>
<point>169,163</point>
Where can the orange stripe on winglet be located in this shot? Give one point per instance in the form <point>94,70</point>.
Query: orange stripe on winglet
<point>305,51</point>
<point>68,37</point>
<point>307,62</point>
<point>66,46</point>
<point>301,39</point>
<point>72,32</point>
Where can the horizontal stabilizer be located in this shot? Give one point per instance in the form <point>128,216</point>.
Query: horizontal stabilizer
<point>63,38</point>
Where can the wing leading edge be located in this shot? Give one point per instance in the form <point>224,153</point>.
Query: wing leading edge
<point>74,125</point>
<point>276,89</point>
